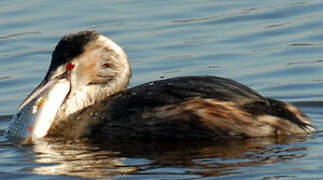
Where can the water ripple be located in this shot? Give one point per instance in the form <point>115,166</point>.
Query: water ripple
<point>273,46</point>
<point>18,34</point>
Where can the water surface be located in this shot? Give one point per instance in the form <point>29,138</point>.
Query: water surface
<point>273,46</point>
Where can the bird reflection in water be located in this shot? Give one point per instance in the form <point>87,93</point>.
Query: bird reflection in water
<point>83,158</point>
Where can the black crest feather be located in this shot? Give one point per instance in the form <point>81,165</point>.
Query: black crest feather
<point>69,47</point>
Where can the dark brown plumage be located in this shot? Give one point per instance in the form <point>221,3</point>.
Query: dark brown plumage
<point>186,107</point>
<point>95,72</point>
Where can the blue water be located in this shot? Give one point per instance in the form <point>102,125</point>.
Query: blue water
<point>273,46</point>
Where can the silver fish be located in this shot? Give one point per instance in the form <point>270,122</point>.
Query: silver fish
<point>37,113</point>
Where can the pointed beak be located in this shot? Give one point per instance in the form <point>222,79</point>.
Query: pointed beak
<point>41,89</point>
<point>37,112</point>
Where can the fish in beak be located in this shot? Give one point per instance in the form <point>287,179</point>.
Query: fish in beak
<point>37,112</point>
<point>86,67</point>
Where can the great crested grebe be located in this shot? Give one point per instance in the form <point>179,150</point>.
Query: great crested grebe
<point>84,94</point>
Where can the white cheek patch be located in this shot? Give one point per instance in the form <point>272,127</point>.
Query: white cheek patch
<point>48,109</point>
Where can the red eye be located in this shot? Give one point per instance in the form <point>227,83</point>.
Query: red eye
<point>70,66</point>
